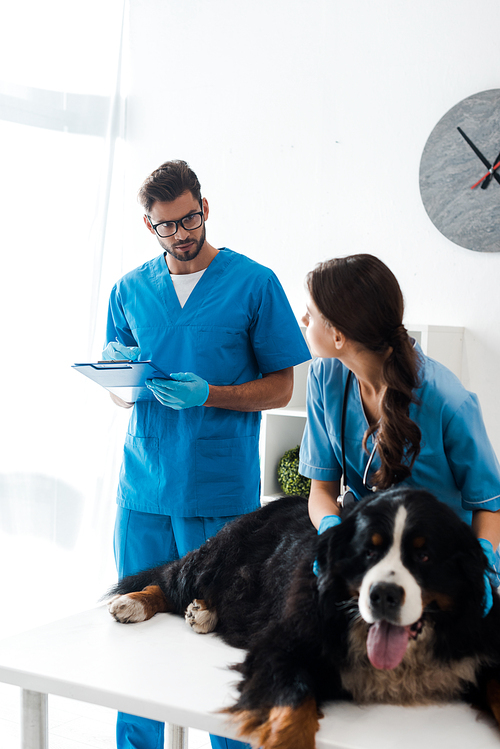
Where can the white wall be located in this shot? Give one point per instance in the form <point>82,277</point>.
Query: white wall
<point>305,121</point>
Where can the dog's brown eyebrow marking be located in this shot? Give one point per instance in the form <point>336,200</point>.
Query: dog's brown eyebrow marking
<point>377,539</point>
<point>418,542</point>
<point>444,601</point>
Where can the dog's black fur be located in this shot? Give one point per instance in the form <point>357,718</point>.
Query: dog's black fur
<point>306,630</point>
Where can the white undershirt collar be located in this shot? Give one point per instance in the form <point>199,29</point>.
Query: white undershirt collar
<point>184,284</point>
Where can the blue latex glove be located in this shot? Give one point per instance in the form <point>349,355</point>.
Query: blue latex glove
<point>490,576</point>
<point>115,351</point>
<point>328,521</point>
<point>184,390</point>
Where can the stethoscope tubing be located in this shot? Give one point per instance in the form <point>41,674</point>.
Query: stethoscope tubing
<point>342,443</point>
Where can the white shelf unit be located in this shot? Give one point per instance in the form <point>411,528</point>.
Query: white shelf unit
<point>282,428</point>
<point>441,342</point>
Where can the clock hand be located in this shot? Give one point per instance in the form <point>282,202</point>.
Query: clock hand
<point>478,153</point>
<point>486,177</point>
<point>490,173</point>
<point>474,148</point>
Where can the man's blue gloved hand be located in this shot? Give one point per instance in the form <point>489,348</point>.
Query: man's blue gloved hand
<point>115,351</point>
<point>490,576</point>
<point>184,390</point>
<point>329,521</point>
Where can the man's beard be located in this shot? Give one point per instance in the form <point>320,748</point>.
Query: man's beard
<point>185,256</point>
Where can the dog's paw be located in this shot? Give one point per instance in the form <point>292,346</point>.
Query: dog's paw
<point>126,609</point>
<point>200,618</point>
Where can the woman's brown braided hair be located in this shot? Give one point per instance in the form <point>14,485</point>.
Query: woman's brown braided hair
<point>361,297</point>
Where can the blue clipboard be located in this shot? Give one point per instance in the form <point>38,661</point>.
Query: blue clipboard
<point>126,379</point>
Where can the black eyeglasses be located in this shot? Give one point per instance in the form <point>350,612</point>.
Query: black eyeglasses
<point>169,228</point>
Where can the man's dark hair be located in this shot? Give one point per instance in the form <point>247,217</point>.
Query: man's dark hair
<point>168,182</point>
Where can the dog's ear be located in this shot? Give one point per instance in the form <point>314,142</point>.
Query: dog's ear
<point>462,562</point>
<point>334,548</point>
<point>472,564</point>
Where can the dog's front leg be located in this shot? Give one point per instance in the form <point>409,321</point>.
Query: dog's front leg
<point>138,606</point>
<point>200,617</point>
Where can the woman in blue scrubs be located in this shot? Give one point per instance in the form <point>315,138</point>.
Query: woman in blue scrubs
<point>408,419</point>
<point>220,325</point>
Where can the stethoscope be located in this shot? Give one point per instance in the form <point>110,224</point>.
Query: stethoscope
<point>346,497</point>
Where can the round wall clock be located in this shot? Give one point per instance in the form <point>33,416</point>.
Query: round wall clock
<point>460,173</point>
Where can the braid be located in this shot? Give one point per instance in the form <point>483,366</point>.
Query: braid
<point>361,297</point>
<point>398,436</point>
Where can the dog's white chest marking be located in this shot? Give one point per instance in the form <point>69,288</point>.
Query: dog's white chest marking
<point>390,569</point>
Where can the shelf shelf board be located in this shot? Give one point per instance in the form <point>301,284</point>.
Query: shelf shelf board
<point>267,498</point>
<point>296,411</point>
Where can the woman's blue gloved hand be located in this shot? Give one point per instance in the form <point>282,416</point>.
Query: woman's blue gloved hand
<point>329,521</point>
<point>184,390</point>
<point>115,351</point>
<point>490,576</point>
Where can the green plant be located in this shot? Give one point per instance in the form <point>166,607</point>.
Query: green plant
<point>289,477</point>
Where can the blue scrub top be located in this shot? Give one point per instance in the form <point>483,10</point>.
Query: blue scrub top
<point>236,325</point>
<point>456,462</point>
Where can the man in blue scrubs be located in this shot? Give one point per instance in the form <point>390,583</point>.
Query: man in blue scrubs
<point>220,325</point>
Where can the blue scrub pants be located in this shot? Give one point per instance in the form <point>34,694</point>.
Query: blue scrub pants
<point>144,540</point>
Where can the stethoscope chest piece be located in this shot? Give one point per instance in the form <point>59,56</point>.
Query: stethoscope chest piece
<point>347,499</point>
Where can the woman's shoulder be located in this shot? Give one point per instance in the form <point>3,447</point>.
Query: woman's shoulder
<point>440,385</point>
<point>329,371</point>
<point>321,364</point>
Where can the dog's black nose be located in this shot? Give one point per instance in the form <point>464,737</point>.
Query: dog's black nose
<point>385,599</point>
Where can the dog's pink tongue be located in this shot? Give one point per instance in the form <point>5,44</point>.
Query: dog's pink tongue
<point>386,644</point>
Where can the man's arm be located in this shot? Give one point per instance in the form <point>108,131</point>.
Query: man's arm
<point>274,390</point>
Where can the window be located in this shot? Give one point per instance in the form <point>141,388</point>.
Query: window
<point>59,450</point>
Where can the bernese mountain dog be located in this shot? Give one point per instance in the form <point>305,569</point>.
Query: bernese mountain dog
<point>393,612</point>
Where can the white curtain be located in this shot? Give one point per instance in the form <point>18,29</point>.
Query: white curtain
<point>61,101</point>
